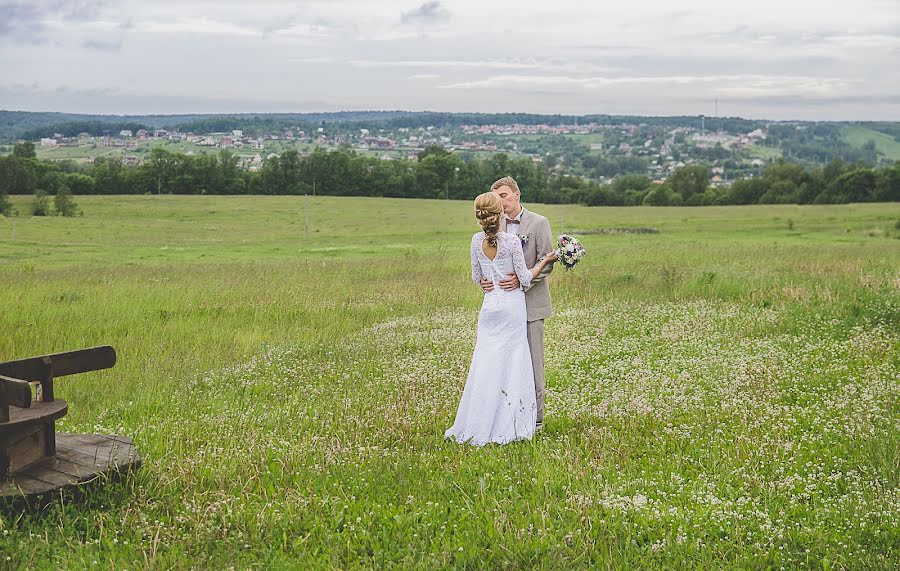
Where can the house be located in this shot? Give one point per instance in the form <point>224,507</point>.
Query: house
<point>237,134</point>
<point>48,142</point>
<point>125,133</point>
<point>718,181</point>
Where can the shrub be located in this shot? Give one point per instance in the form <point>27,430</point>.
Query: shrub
<point>40,206</point>
<point>63,202</point>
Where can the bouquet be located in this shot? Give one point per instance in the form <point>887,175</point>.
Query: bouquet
<point>569,250</point>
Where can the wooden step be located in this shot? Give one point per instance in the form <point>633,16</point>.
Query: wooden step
<point>79,458</point>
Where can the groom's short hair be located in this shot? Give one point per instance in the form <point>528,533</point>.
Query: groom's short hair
<point>506,181</point>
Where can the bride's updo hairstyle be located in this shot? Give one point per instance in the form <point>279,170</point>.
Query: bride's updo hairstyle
<point>488,211</point>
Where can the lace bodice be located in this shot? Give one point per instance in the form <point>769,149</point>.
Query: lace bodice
<point>510,258</point>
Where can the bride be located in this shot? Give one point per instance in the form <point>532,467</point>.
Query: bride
<point>498,403</point>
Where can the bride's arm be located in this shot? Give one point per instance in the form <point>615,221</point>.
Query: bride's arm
<point>548,259</point>
<point>476,265</point>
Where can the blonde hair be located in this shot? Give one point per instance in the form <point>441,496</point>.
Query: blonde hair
<point>506,181</point>
<point>488,210</point>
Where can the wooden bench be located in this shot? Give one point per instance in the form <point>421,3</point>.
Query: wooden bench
<point>34,459</point>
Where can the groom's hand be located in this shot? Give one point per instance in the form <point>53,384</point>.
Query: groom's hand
<point>487,285</point>
<point>510,283</point>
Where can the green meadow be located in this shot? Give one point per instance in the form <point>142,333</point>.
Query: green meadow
<point>857,135</point>
<point>723,391</point>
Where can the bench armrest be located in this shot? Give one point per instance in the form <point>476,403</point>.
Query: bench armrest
<point>15,392</point>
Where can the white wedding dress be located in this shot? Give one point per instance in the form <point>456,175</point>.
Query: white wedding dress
<point>498,403</point>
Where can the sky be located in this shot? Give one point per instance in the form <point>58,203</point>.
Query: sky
<point>766,59</point>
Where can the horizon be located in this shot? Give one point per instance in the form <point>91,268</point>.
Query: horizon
<point>436,112</point>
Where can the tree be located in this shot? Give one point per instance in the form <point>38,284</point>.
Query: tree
<point>888,185</point>
<point>24,150</point>
<point>160,168</point>
<point>231,176</point>
<point>63,203</point>
<point>856,185</point>
<point>40,206</point>
<point>689,180</point>
<point>5,205</point>
<point>109,177</point>
<point>747,191</point>
<point>662,195</point>
<point>78,183</point>
<point>15,176</point>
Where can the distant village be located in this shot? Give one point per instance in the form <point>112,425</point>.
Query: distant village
<point>658,150</point>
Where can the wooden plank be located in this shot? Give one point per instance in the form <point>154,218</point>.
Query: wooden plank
<point>74,464</point>
<point>84,456</point>
<point>31,486</point>
<point>8,438</point>
<point>73,470</point>
<point>26,451</point>
<point>17,391</point>
<point>52,477</point>
<point>93,451</point>
<point>39,412</point>
<point>66,363</point>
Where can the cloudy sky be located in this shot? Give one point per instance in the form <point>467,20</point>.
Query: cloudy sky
<point>777,59</point>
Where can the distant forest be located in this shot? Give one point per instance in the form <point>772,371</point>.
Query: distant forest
<point>436,174</point>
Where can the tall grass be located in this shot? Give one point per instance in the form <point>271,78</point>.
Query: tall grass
<point>721,394</point>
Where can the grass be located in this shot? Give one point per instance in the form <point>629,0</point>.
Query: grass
<point>764,152</point>
<point>858,135</point>
<point>721,394</point>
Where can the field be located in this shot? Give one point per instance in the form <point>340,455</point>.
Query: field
<point>857,136</point>
<point>722,393</point>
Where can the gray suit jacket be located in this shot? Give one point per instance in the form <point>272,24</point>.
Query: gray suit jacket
<point>540,242</point>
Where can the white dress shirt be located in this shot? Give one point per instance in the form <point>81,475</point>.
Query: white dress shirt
<point>514,228</point>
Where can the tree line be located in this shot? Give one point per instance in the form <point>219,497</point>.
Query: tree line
<point>436,174</point>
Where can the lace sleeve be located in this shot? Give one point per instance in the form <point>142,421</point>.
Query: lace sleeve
<point>518,257</point>
<point>476,265</point>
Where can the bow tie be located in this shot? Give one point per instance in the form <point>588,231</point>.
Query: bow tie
<point>512,221</point>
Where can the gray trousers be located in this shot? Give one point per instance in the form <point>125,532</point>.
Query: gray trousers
<point>536,346</point>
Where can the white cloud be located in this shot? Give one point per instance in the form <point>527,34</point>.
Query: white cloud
<point>766,57</point>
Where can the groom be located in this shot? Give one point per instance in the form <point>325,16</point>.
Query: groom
<point>536,228</point>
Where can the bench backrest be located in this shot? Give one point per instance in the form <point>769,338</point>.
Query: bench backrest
<point>14,375</point>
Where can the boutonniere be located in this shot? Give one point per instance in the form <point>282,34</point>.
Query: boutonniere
<point>523,238</point>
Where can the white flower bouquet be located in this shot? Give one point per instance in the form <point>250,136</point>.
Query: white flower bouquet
<point>569,250</point>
